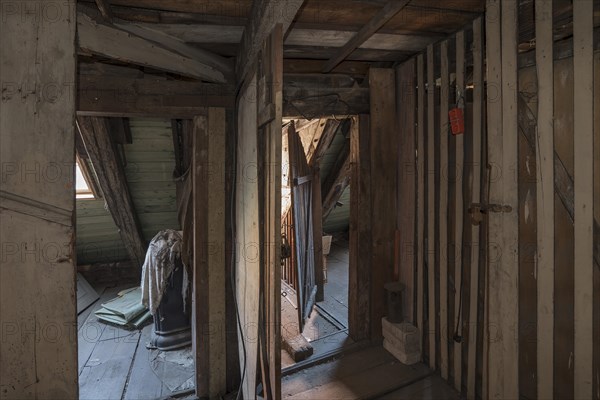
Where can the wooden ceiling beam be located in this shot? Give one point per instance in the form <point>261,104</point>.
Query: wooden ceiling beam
<point>264,16</point>
<point>108,90</point>
<point>101,150</point>
<point>384,15</point>
<point>108,41</point>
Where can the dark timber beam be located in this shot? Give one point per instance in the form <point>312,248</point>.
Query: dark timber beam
<point>337,180</point>
<point>384,15</point>
<point>132,94</point>
<point>264,16</point>
<point>163,52</point>
<point>331,128</point>
<point>105,10</point>
<point>111,178</point>
<point>563,181</point>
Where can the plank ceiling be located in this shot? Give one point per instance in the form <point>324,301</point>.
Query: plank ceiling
<point>320,28</point>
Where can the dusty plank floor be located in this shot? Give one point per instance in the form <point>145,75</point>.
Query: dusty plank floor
<point>114,363</point>
<point>327,327</point>
<point>367,374</point>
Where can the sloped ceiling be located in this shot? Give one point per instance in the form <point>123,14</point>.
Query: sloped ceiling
<point>150,164</point>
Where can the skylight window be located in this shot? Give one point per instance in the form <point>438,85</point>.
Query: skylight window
<point>82,187</point>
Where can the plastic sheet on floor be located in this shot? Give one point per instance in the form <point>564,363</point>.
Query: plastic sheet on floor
<point>125,310</point>
<point>174,368</point>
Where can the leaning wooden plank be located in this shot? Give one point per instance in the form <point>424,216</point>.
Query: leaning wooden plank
<point>111,177</point>
<point>459,208</point>
<point>388,11</point>
<point>103,40</point>
<point>443,208</point>
<point>502,281</point>
<point>264,16</point>
<point>545,199</point>
<point>430,209</point>
<point>583,58</point>
<point>421,151</point>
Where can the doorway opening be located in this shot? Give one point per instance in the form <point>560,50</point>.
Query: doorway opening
<point>315,245</point>
<point>121,352</point>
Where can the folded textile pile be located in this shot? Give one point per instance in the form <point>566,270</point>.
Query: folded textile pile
<point>125,310</point>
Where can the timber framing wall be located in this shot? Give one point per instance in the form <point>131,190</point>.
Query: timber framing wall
<point>37,200</point>
<point>506,239</point>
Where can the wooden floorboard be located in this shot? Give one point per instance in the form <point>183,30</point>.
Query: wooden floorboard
<point>360,381</point>
<point>90,330</point>
<point>337,369</point>
<point>430,388</point>
<point>106,371</point>
<point>143,383</point>
<point>114,362</point>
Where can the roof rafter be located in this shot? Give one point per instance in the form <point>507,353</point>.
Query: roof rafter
<point>384,15</point>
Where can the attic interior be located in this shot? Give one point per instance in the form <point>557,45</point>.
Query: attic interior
<point>304,199</point>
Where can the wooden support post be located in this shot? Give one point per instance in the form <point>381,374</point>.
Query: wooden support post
<point>545,199</point>
<point>421,201</point>
<point>269,116</point>
<point>459,208</point>
<point>209,253</point>
<point>200,294</point>
<point>111,178</point>
<point>406,104</point>
<point>383,207</point>
<point>37,201</point>
<point>583,73</point>
<point>359,284</point>
<point>430,209</point>
<point>443,208</point>
<point>502,274</point>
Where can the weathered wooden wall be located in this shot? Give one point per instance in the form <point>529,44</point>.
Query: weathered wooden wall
<point>37,199</point>
<point>525,307</point>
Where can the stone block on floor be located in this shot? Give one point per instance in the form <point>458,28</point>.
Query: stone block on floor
<point>402,341</point>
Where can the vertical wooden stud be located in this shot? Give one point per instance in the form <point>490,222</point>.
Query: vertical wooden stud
<point>443,209</point>
<point>583,58</point>
<point>431,204</point>
<point>421,151</point>
<point>545,198</point>
<point>458,228</point>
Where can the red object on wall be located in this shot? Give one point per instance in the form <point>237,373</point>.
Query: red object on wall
<point>457,121</point>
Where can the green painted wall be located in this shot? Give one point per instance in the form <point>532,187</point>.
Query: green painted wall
<point>150,165</point>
